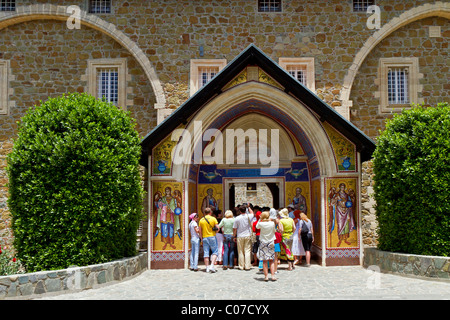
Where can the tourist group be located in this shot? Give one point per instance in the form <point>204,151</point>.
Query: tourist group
<point>250,235</point>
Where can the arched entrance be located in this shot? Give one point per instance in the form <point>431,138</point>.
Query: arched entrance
<point>291,149</point>
<point>245,128</point>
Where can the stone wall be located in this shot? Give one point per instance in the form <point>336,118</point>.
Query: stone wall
<point>369,223</point>
<point>47,60</point>
<point>408,264</point>
<point>171,33</point>
<point>412,40</point>
<point>31,285</point>
<point>261,196</point>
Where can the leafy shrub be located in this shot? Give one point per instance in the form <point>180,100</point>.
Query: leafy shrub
<point>412,182</point>
<point>74,183</point>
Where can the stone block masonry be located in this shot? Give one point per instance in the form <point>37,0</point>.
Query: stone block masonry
<point>30,285</point>
<point>436,268</point>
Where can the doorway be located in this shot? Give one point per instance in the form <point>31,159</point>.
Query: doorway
<point>275,190</point>
<point>242,190</point>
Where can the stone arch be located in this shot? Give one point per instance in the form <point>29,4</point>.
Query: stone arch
<point>298,113</point>
<point>55,12</point>
<point>439,9</point>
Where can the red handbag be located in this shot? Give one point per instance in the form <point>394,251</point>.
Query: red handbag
<point>278,237</point>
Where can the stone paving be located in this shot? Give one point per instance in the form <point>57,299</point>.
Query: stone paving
<point>315,282</point>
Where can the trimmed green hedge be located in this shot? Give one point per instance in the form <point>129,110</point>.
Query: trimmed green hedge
<point>74,183</point>
<point>412,182</point>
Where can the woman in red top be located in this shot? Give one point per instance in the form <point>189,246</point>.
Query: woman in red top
<point>256,244</point>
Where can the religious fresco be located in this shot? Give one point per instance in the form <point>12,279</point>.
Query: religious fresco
<point>209,196</point>
<point>252,73</point>
<point>264,77</point>
<point>297,172</point>
<point>316,216</point>
<point>168,215</point>
<point>298,194</point>
<point>192,194</point>
<point>297,190</point>
<point>162,155</point>
<point>315,170</point>
<point>192,191</point>
<point>210,174</point>
<point>341,214</point>
<point>240,78</point>
<point>344,150</point>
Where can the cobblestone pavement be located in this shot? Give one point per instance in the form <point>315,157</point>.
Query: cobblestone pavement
<point>315,282</point>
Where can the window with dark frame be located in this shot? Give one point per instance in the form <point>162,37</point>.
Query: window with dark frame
<point>362,5</point>
<point>269,6</point>
<point>100,6</point>
<point>8,5</point>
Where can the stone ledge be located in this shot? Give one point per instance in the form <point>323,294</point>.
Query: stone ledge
<point>31,285</point>
<point>425,267</point>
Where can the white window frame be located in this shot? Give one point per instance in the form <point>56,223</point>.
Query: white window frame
<point>197,65</point>
<point>306,63</point>
<point>413,86</point>
<point>121,66</point>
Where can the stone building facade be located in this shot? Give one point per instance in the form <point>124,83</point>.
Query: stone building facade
<point>154,47</point>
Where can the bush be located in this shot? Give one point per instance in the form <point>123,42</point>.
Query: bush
<point>412,182</point>
<point>74,183</point>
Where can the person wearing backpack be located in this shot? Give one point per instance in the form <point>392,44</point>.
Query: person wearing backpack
<point>307,236</point>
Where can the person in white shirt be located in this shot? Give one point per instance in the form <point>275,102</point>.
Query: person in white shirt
<point>242,228</point>
<point>195,241</point>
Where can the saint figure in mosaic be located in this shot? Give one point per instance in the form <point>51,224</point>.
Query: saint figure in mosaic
<point>342,212</point>
<point>168,216</point>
